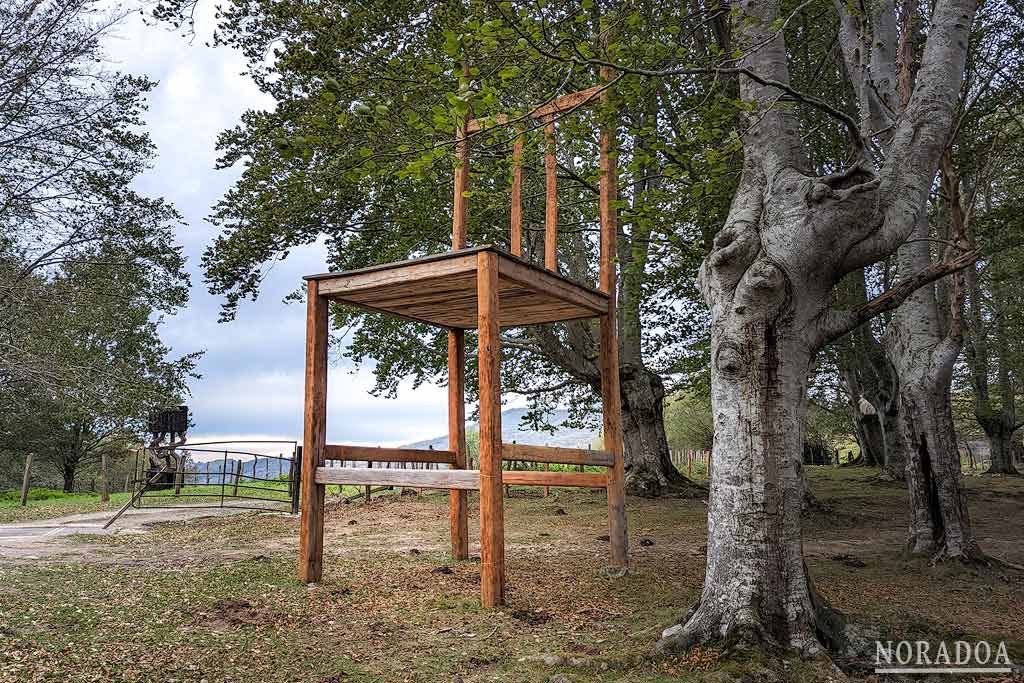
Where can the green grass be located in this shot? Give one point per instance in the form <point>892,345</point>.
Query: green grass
<point>217,599</point>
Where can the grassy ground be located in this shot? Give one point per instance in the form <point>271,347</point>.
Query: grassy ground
<point>52,504</point>
<point>216,599</point>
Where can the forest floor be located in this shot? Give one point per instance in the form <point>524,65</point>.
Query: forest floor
<point>216,600</point>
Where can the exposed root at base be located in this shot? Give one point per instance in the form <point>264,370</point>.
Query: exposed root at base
<point>655,486</point>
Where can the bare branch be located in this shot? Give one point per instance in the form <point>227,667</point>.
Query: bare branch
<point>839,323</point>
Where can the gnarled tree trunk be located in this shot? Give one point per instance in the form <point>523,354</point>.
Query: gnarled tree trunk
<point>649,469</point>
<point>923,341</point>
<point>769,280</point>
<point>999,431</point>
<point>756,588</point>
<point>939,523</point>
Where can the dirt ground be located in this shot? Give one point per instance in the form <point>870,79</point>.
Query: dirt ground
<point>215,600</point>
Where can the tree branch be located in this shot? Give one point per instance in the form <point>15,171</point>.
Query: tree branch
<point>839,323</point>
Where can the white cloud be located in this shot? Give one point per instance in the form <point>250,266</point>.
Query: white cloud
<point>253,368</point>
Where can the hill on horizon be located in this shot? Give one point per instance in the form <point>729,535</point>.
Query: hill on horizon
<point>512,430</point>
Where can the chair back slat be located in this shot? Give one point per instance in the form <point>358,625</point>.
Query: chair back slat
<point>548,113</point>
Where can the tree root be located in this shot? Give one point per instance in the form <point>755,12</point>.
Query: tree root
<point>674,486</point>
<point>741,631</point>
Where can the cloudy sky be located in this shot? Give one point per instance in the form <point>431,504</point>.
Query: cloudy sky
<point>252,372</point>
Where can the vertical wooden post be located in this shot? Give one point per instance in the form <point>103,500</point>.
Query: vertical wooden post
<point>516,219</point>
<point>238,476</point>
<point>457,501</point>
<point>25,479</point>
<point>366,493</point>
<point>492,518</point>
<point>104,478</point>
<point>609,350</point>
<point>314,438</point>
<point>547,489</point>
<point>179,473</point>
<point>461,205</point>
<point>551,198</point>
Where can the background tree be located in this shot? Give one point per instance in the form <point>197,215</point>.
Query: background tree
<point>87,265</point>
<point>986,164</point>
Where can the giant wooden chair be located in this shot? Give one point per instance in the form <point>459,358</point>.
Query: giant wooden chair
<point>487,289</point>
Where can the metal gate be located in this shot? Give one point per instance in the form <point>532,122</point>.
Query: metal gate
<point>220,474</point>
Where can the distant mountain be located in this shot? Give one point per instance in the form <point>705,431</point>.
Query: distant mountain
<point>512,430</point>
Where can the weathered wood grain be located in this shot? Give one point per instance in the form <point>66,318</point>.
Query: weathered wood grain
<point>373,454</point>
<point>597,480</point>
<point>552,454</point>
<point>462,480</point>
<point>492,516</point>
<point>314,437</point>
<point>458,505</point>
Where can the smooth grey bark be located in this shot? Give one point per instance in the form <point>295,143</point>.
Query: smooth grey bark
<point>769,279</point>
<point>924,343</point>
<point>924,337</point>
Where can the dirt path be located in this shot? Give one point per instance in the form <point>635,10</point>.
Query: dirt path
<point>46,539</point>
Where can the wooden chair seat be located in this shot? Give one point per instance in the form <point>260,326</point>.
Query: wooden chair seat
<point>442,290</point>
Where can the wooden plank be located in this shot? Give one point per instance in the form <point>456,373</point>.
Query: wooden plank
<point>463,480</point>
<point>314,437</point>
<point>596,480</point>
<point>563,456</point>
<point>612,408</point>
<point>457,502</point>
<point>573,100</point>
<point>492,515</point>
<point>477,125</point>
<point>516,218</point>
<point>404,273</point>
<point>607,194</point>
<point>559,105</point>
<point>373,454</point>
<point>553,285</point>
<point>461,205</point>
<point>550,199</point>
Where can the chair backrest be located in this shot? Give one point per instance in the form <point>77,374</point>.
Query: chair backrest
<point>548,113</point>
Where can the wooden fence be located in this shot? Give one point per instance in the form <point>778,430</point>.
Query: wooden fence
<point>694,464</point>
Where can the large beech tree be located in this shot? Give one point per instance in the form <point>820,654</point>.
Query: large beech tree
<point>790,237</point>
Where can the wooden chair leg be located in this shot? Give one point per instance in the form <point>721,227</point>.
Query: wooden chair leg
<point>311,531</point>
<point>613,442</point>
<point>492,522</point>
<point>459,518</point>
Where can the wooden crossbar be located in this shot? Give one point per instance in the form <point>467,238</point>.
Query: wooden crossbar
<point>369,453</point>
<point>561,104</point>
<point>466,480</point>
<point>581,479</point>
<point>561,456</point>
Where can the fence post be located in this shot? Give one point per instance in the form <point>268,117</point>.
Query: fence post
<point>25,479</point>
<point>294,477</point>
<point>104,479</point>
<point>238,475</point>
<point>179,474</point>
<point>369,466</point>
<point>223,477</point>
